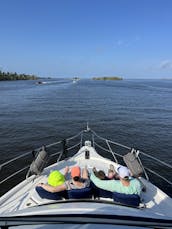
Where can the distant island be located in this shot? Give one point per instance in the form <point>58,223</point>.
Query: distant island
<point>108,78</point>
<point>15,76</point>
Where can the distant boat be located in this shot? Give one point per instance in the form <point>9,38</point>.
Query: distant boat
<point>75,79</point>
<point>41,82</point>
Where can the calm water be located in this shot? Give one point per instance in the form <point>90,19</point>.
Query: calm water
<point>137,113</point>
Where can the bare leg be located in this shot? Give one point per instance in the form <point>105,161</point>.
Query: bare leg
<point>85,173</point>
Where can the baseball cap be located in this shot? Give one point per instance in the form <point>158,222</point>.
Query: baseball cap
<point>123,172</point>
<point>75,171</point>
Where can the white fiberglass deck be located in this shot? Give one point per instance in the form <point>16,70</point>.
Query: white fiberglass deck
<point>23,199</point>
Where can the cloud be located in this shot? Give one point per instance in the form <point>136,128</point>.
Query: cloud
<point>166,64</point>
<point>127,43</point>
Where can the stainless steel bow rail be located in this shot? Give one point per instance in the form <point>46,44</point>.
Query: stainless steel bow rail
<point>63,149</point>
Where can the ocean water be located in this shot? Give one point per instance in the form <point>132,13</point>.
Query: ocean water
<point>136,113</point>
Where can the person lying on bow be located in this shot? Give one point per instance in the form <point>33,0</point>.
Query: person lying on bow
<point>77,181</point>
<point>125,184</point>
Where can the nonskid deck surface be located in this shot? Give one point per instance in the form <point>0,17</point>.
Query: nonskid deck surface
<point>24,196</point>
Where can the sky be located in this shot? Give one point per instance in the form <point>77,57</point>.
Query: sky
<point>87,38</point>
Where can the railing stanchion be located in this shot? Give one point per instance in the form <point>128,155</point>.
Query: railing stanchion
<point>81,141</point>
<point>65,151</point>
<point>93,140</point>
<point>111,151</point>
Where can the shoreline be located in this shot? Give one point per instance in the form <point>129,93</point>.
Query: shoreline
<point>108,78</point>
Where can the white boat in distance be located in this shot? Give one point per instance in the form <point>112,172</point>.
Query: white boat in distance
<point>75,79</point>
<point>41,82</point>
<point>22,207</point>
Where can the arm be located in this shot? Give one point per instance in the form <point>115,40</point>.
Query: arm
<point>66,171</point>
<point>50,188</point>
<point>85,173</point>
<point>108,185</point>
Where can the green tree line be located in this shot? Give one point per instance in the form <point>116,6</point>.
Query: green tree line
<point>15,76</point>
<point>107,78</point>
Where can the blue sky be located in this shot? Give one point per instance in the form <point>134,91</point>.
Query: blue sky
<point>86,38</point>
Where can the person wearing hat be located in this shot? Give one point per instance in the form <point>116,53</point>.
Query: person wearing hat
<point>125,184</point>
<point>55,178</point>
<point>77,181</point>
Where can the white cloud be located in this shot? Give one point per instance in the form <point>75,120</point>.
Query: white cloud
<point>166,64</point>
<point>127,43</point>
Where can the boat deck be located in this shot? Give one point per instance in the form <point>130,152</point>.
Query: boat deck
<point>24,199</point>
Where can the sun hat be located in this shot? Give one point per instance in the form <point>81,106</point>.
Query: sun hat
<point>56,178</point>
<point>123,172</point>
<point>75,171</point>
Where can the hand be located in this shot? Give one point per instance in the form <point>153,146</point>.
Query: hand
<point>66,170</point>
<point>40,184</point>
<point>94,169</point>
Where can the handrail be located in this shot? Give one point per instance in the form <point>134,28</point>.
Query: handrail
<point>116,143</point>
<point>14,159</point>
<point>150,170</point>
<point>75,136</point>
<point>110,149</point>
<point>146,175</point>
<point>27,153</point>
<point>53,144</point>
<point>12,175</point>
<point>54,154</point>
<point>129,148</point>
<point>106,150</point>
<point>154,158</point>
<point>72,147</point>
